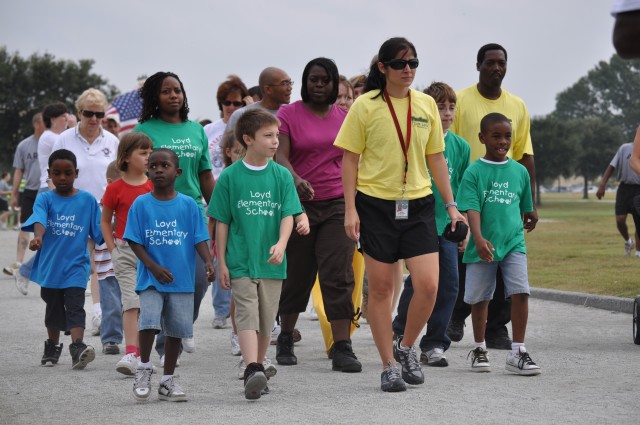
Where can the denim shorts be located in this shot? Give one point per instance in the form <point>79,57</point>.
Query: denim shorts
<point>481,278</point>
<point>171,312</point>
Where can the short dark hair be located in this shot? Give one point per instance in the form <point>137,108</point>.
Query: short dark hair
<point>491,46</point>
<point>172,154</point>
<point>331,68</point>
<point>441,92</point>
<point>252,121</point>
<point>491,119</point>
<point>129,143</point>
<point>65,155</point>
<point>255,91</point>
<point>150,93</point>
<point>53,110</point>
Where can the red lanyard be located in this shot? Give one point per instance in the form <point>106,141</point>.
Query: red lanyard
<point>405,147</point>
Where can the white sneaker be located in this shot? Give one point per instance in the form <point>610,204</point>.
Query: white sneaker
<point>189,345</point>
<point>434,357</point>
<point>219,322</point>
<point>269,368</point>
<point>240,367</point>
<point>142,384</point>
<point>235,344</point>
<point>11,269</point>
<point>127,364</point>
<point>170,390</point>
<point>22,282</point>
<point>275,332</point>
<point>162,361</point>
<point>96,320</point>
<point>628,247</point>
<point>521,364</point>
<point>479,360</point>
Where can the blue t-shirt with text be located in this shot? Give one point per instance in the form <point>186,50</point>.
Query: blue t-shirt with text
<point>69,221</point>
<point>169,232</point>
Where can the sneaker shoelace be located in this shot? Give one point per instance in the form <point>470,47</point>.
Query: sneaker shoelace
<point>172,385</point>
<point>143,378</point>
<point>410,359</point>
<point>525,359</point>
<point>478,356</point>
<point>393,373</point>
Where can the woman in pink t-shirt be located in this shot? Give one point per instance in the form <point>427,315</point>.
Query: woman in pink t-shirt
<point>307,132</point>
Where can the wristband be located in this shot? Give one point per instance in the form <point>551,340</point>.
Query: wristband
<point>451,204</point>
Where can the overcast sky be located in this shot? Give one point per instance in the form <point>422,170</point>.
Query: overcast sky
<point>550,43</point>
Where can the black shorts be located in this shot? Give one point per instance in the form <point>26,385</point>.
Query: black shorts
<point>624,198</point>
<point>27,199</point>
<point>4,205</point>
<point>65,308</point>
<point>386,239</point>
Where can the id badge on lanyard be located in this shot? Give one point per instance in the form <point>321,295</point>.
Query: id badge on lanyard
<point>402,204</point>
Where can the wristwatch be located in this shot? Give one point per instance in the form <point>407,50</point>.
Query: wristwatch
<point>451,204</point>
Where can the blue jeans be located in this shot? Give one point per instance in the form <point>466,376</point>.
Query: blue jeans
<point>436,335</point>
<point>220,298</point>
<point>201,286</point>
<point>111,326</point>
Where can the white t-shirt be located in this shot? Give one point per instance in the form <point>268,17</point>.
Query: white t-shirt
<point>45,147</point>
<point>93,158</point>
<point>214,132</point>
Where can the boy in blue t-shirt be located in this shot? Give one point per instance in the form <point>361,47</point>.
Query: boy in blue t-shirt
<point>496,194</point>
<point>165,229</point>
<point>63,220</point>
<point>254,202</point>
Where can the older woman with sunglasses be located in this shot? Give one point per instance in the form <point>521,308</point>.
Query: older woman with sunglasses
<point>95,148</point>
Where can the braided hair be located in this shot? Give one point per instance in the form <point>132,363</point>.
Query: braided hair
<point>150,92</point>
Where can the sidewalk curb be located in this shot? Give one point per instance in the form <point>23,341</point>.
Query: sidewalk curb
<point>604,302</point>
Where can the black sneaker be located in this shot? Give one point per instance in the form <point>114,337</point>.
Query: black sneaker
<point>411,369</point>
<point>81,354</point>
<point>343,358</point>
<point>255,381</point>
<point>110,348</point>
<point>391,381</point>
<point>455,330</point>
<point>51,353</point>
<point>498,340</point>
<point>284,350</point>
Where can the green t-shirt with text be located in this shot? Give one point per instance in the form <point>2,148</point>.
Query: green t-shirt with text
<point>189,141</point>
<point>253,203</point>
<point>501,192</point>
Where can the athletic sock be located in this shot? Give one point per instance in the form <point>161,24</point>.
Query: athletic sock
<point>132,349</point>
<point>482,345</point>
<point>165,378</point>
<point>517,347</point>
<point>147,365</point>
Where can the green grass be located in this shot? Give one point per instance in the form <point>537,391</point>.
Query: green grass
<point>576,247</point>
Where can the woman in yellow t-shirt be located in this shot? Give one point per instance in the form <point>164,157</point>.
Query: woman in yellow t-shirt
<point>389,206</point>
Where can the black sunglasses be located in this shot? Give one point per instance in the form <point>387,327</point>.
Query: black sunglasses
<point>399,64</point>
<point>89,114</point>
<point>229,103</point>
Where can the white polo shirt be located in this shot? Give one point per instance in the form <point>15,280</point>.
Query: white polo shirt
<point>93,158</point>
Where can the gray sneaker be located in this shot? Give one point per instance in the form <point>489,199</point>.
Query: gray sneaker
<point>522,364</point>
<point>170,390</point>
<point>479,360</point>
<point>142,384</point>
<point>391,381</point>
<point>434,357</point>
<point>411,369</point>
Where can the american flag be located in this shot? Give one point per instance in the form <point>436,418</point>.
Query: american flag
<point>128,106</point>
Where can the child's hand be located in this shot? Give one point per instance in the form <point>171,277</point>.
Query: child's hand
<point>277,254</point>
<point>162,274</point>
<point>211,271</point>
<point>530,220</point>
<point>35,244</point>
<point>485,250</point>
<point>224,279</point>
<point>302,224</point>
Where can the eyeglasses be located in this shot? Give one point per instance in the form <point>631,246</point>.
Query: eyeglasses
<point>285,83</point>
<point>399,64</point>
<point>89,114</point>
<point>229,103</point>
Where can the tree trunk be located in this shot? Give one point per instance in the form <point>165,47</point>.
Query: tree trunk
<point>538,202</point>
<point>585,191</point>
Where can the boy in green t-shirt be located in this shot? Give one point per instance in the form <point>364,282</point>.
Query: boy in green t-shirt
<point>254,202</point>
<point>496,192</point>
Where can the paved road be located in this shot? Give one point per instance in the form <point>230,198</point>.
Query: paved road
<point>591,371</point>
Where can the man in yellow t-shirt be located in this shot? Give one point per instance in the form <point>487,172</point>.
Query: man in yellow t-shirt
<point>474,103</point>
